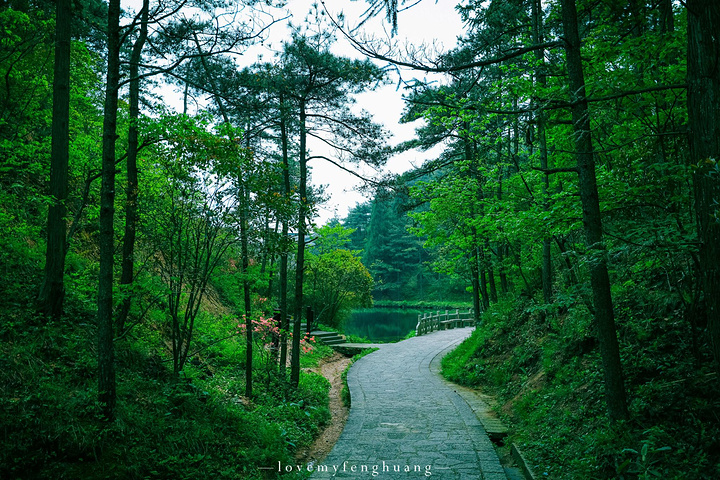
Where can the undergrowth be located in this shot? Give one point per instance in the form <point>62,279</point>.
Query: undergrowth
<point>545,371</point>
<point>195,425</point>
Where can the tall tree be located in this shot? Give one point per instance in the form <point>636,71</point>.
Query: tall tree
<point>541,119</point>
<point>243,200</point>
<point>320,85</point>
<point>106,353</point>
<point>703,75</point>
<point>131,189</point>
<point>52,292</point>
<point>592,219</point>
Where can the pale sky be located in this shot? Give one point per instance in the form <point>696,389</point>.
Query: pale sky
<point>427,22</point>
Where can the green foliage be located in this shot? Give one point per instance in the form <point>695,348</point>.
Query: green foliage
<point>546,377</point>
<point>337,282</point>
<point>482,205</point>
<point>196,425</point>
<point>318,350</point>
<point>396,259</point>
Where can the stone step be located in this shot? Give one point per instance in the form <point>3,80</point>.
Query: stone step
<point>328,338</point>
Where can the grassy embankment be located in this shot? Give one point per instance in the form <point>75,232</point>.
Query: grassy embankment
<point>546,376</point>
<point>197,425</point>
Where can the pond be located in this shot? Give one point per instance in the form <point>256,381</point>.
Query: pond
<point>382,324</point>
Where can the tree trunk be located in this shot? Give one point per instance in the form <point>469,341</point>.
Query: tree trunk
<point>493,288</point>
<point>284,317</point>
<point>491,278</point>
<point>546,271</point>
<point>704,121</point>
<point>503,247</point>
<point>592,220</point>
<point>244,196</point>
<point>52,292</point>
<point>300,258</point>
<point>131,210</point>
<point>483,289</point>
<point>475,280</point>
<point>502,253</point>
<point>246,287</point>
<point>667,18</point>
<point>106,354</point>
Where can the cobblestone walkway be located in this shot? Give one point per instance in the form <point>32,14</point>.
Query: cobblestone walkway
<point>405,422</point>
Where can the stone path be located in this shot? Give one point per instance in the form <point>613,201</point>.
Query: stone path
<point>406,422</point>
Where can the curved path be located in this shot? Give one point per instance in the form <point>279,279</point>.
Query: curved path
<point>406,422</point>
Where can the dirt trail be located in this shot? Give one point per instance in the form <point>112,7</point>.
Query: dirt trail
<point>332,369</point>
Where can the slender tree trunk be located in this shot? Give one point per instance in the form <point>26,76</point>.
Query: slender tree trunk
<point>474,172</point>
<point>284,317</point>
<point>704,121</point>
<point>300,258</point>
<point>483,288</point>
<point>52,291</point>
<point>667,18</point>
<point>246,286</point>
<point>568,264</point>
<point>131,215</point>
<point>502,254</point>
<point>491,279</point>
<point>493,288</point>
<point>475,280</point>
<point>271,261</point>
<point>538,38</point>
<point>592,220</point>
<point>503,247</point>
<point>106,354</point>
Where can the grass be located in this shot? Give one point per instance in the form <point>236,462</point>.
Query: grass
<point>547,377</point>
<point>197,425</point>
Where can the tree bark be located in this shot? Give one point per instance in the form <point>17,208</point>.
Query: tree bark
<point>502,253</point>
<point>667,18</point>
<point>300,258</point>
<point>703,76</point>
<point>284,317</point>
<point>592,220</point>
<point>244,198</point>
<point>538,38</point>
<point>491,277</point>
<point>246,286</point>
<point>106,354</point>
<point>131,193</point>
<point>475,281</point>
<point>483,289</point>
<point>52,291</point>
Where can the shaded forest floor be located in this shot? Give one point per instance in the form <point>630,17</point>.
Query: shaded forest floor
<point>195,425</point>
<point>547,377</point>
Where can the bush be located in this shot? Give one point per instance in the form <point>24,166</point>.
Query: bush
<point>545,371</point>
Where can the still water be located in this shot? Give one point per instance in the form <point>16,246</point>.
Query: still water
<point>382,324</point>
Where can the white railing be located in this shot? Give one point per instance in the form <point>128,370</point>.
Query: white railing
<point>429,322</point>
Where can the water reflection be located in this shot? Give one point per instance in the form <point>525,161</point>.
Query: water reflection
<point>382,324</point>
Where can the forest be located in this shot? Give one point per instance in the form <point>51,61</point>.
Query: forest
<point>159,250</point>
